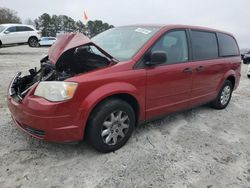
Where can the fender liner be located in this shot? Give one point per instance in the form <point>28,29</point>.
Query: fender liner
<point>32,37</point>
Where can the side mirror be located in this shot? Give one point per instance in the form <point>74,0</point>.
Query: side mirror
<point>156,58</point>
<point>6,32</point>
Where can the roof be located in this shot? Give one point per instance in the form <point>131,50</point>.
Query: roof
<point>15,24</point>
<point>176,26</point>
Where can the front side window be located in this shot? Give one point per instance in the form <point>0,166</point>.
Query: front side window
<point>11,29</point>
<point>204,45</point>
<point>175,45</point>
<point>228,46</point>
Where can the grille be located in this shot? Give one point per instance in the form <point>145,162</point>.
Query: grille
<point>36,132</point>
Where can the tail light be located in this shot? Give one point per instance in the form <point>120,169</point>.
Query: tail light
<point>39,33</point>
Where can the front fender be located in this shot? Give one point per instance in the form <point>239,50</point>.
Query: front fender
<point>104,91</point>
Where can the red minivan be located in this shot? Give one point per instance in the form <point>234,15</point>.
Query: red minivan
<point>101,88</point>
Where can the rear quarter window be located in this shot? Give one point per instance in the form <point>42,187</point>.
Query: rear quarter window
<point>228,45</point>
<point>204,45</point>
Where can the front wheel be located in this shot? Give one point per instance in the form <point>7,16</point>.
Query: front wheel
<point>33,42</point>
<point>224,96</point>
<point>110,125</point>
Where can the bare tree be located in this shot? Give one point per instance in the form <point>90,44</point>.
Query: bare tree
<point>8,16</point>
<point>29,21</point>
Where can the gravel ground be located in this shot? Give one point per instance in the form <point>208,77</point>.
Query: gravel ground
<point>199,148</point>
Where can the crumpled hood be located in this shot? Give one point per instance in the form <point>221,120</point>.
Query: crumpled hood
<point>68,41</point>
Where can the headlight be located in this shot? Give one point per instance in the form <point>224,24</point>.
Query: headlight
<point>56,91</point>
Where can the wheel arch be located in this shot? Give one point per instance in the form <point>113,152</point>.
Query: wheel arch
<point>129,94</point>
<point>231,76</point>
<point>32,36</point>
<point>130,99</point>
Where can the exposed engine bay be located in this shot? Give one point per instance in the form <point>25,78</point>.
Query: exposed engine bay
<point>72,62</point>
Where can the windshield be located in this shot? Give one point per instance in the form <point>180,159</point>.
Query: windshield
<point>124,42</point>
<point>2,28</point>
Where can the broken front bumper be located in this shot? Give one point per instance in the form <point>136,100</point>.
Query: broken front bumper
<point>52,121</point>
<point>12,91</point>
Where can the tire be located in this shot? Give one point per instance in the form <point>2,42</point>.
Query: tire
<point>33,42</point>
<point>248,76</point>
<point>108,122</point>
<point>224,96</point>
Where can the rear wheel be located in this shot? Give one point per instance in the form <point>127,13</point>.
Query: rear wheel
<point>110,125</point>
<point>224,96</point>
<point>33,42</point>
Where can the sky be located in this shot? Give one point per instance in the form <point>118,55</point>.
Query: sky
<point>228,15</point>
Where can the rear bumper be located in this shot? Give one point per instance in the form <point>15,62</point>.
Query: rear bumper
<point>41,119</point>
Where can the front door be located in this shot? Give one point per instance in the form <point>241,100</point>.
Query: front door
<point>11,36</point>
<point>169,85</point>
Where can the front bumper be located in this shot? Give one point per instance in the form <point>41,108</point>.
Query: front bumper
<point>45,120</point>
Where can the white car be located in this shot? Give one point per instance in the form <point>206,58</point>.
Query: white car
<point>19,33</point>
<point>248,71</point>
<point>47,41</point>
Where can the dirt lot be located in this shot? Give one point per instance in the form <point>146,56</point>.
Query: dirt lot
<point>199,148</point>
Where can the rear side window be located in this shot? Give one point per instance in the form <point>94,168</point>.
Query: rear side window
<point>23,28</point>
<point>204,45</point>
<point>228,46</point>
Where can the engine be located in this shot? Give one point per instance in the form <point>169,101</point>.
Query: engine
<point>72,62</point>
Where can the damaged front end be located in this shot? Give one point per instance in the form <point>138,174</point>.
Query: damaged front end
<point>20,85</point>
<point>72,54</point>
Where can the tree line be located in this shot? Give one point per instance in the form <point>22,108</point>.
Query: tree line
<point>53,25</point>
<point>8,16</point>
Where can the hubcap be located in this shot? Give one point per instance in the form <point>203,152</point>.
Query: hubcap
<point>115,127</point>
<point>225,95</point>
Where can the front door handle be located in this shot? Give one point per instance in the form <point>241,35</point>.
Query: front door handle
<point>200,68</point>
<point>188,70</point>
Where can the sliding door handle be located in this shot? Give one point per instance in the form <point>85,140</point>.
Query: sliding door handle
<point>188,70</point>
<point>200,68</point>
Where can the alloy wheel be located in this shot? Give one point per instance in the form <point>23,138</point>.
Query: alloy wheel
<point>225,95</point>
<point>33,42</point>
